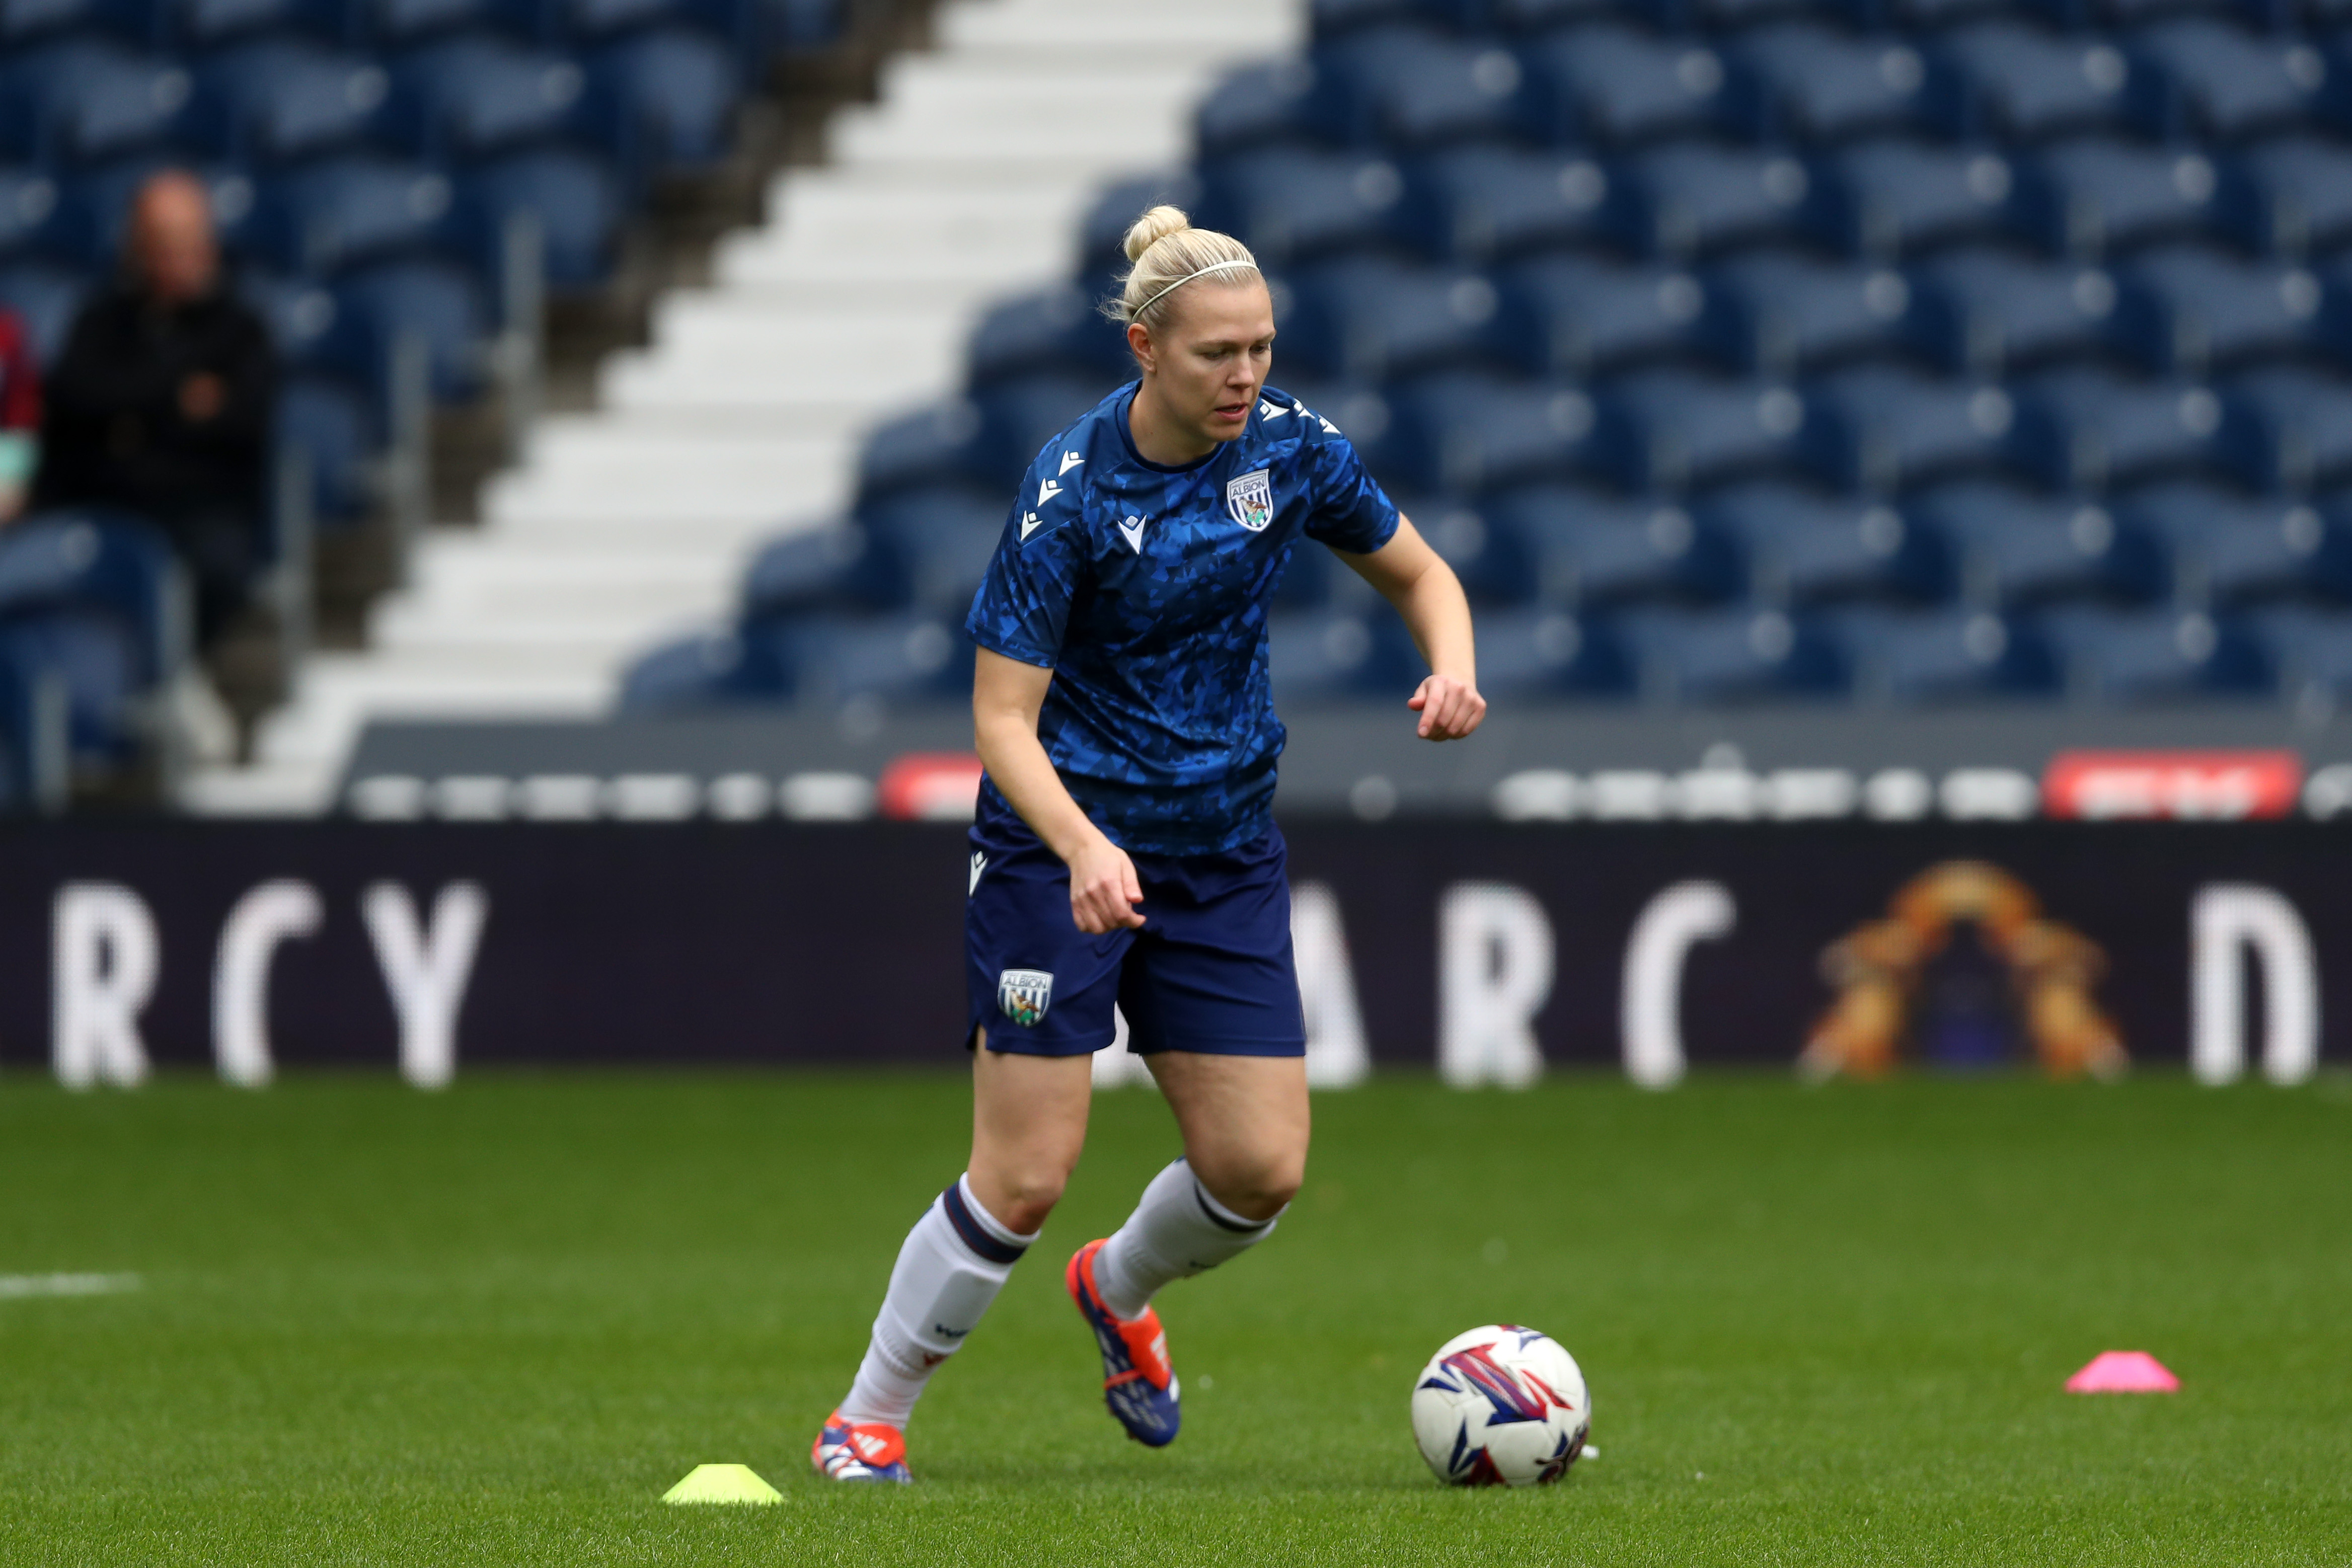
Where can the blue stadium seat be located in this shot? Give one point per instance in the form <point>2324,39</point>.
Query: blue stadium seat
<point>2012,84</point>
<point>1291,205</point>
<point>2311,648</point>
<point>2102,198</point>
<point>2204,81</point>
<point>1407,91</point>
<point>1889,429</point>
<point>1777,314</point>
<point>1943,658</point>
<point>470,97</point>
<point>1721,17</point>
<point>1338,18</point>
<point>2161,657</point>
<point>1493,561</point>
<point>35,758</point>
<point>93,209</point>
<point>1486,204</point>
<point>987,441</point>
<point>2230,550</point>
<point>832,569</point>
<point>2090,429</point>
<point>1017,418</point>
<point>338,428</point>
<point>572,196</point>
<point>1370,318</point>
<point>935,544</point>
<point>1106,223</point>
<point>2288,429</point>
<point>345,212</point>
<point>1583,316</point>
<point>397,26</point>
<point>200,26</point>
<point>821,662</point>
<point>99,598</point>
<point>2108,15</point>
<point>1737,657</point>
<point>1805,549</point>
<point>280,100</point>
<point>1809,84</point>
<point>27,24</point>
<point>1673,431</point>
<point>1691,200</point>
<point>1537,651</point>
<point>1995,313</point>
<point>666,98</point>
<point>931,446</point>
<point>1529,18</point>
<point>1273,103</point>
<point>1596,553</point>
<point>436,302</point>
<point>1610,86</point>
<point>29,210</point>
<point>1057,330</point>
<point>1339,655</point>
<point>83,100</point>
<point>2291,197</point>
<point>45,297</point>
<point>1932,16</point>
<point>2019,549</point>
<point>1471,434</point>
<point>1899,200</point>
<point>2198,312</point>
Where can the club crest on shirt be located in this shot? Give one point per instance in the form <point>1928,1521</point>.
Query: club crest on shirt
<point>1024,994</point>
<point>1250,499</point>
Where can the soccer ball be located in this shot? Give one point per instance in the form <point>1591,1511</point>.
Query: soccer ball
<point>1500,1406</point>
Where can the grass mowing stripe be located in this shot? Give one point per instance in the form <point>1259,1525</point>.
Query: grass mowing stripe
<point>1821,1326</point>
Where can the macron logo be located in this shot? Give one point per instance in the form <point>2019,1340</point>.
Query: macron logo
<point>1131,529</point>
<point>1072,460</point>
<point>1268,410</point>
<point>978,864</point>
<point>1047,489</point>
<point>1028,524</point>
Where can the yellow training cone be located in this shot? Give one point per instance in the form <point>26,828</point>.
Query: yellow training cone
<point>722,1483</point>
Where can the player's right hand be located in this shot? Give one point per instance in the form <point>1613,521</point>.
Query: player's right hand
<point>1103,889</point>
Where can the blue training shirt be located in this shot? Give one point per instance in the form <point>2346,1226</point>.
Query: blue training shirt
<point>1144,588</point>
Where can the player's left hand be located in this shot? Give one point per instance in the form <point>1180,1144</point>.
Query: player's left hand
<point>1449,708</point>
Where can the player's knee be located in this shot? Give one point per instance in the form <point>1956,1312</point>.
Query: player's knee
<point>1255,1184</point>
<point>1027,1195</point>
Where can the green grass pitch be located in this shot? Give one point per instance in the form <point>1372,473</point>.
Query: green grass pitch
<point>1821,1326</point>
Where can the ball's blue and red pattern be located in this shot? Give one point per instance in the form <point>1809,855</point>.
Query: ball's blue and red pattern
<point>1144,588</point>
<point>1501,1388</point>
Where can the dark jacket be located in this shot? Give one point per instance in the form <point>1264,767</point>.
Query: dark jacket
<point>113,431</point>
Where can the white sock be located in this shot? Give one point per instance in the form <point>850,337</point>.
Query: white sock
<point>954,1261</point>
<point>1176,1231</point>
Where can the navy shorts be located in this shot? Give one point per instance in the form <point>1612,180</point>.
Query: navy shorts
<point>1209,971</point>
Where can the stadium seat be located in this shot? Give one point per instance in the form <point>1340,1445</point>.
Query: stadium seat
<point>29,210</point>
<point>1889,429</point>
<point>338,428</point>
<point>434,302</point>
<point>2090,429</point>
<point>2113,15</point>
<point>833,568</point>
<point>573,199</point>
<point>1922,658</point>
<point>931,446</point>
<point>2094,199</point>
<point>99,598</point>
<point>2232,549</point>
<point>1895,201</point>
<point>1532,18</point>
<point>280,100</point>
<point>1372,319</point>
<point>1583,316</point>
<point>1405,91</point>
<point>1106,222</point>
<point>1273,103</point>
<point>1778,315</point>
<point>2311,648</point>
<point>2018,549</point>
<point>396,27</point>
<point>1470,433</point>
<point>1595,552</point>
<point>1935,17</point>
<point>27,24</point>
<point>1291,205</point>
<point>2204,81</point>
<point>1057,331</point>
<point>200,26</point>
<point>935,544</point>
<point>1737,657</point>
<point>1811,85</point>
<point>2011,83</point>
<point>2159,656</point>
<point>35,748</point>
<point>1339,655</point>
<point>1691,200</point>
<point>1807,549</point>
<point>1492,559</point>
<point>1542,652</point>
<point>1338,18</point>
<point>824,663</point>
<point>1487,204</point>
<point>1672,431</point>
<point>665,99</point>
<point>342,213</point>
<point>1614,87</point>
<point>2197,312</point>
<point>83,100</point>
<point>470,97</point>
<point>2291,197</point>
<point>1993,312</point>
<point>45,298</point>
<point>2288,429</point>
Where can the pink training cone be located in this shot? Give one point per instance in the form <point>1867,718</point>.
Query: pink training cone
<point>2123,1372</point>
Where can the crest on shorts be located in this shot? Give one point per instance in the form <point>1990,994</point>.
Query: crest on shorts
<point>1250,499</point>
<point>1024,994</point>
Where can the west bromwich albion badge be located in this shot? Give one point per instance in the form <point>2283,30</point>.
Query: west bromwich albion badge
<point>1250,499</point>
<point>1024,994</point>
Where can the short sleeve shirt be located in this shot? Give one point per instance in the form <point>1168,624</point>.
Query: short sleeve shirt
<point>1144,588</point>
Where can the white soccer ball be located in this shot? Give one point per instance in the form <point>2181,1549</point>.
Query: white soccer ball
<point>1500,1406</point>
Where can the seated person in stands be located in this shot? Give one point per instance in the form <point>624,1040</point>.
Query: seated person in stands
<point>20,414</point>
<point>161,402</point>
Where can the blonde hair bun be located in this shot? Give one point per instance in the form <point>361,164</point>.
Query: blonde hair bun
<point>1152,228</point>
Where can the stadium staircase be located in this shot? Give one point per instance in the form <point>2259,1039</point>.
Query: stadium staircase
<point>747,413</point>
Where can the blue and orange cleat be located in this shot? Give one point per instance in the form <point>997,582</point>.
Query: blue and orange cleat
<point>1139,1381</point>
<point>867,1451</point>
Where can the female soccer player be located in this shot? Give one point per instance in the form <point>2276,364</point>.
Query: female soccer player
<point>1124,851</point>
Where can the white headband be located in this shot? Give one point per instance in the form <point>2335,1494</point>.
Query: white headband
<point>1213,266</point>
